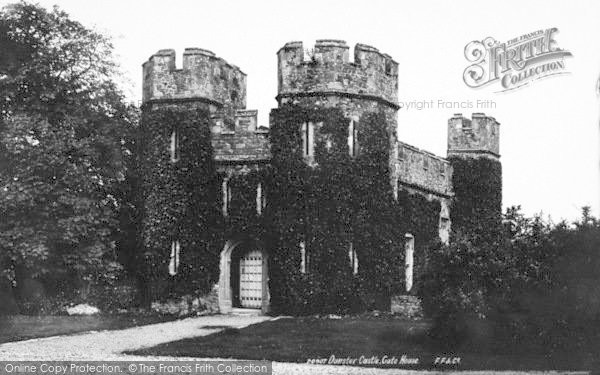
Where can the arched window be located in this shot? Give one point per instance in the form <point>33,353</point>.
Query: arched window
<point>174,146</point>
<point>174,259</point>
<point>444,230</point>
<point>409,250</point>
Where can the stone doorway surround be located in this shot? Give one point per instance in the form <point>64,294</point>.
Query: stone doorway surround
<point>225,287</point>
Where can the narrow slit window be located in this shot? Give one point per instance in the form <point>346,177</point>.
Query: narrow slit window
<point>308,135</point>
<point>353,258</point>
<point>353,138</point>
<point>174,259</point>
<point>226,196</point>
<point>303,258</point>
<point>444,230</point>
<point>409,250</point>
<point>263,197</point>
<point>174,146</point>
<point>260,200</point>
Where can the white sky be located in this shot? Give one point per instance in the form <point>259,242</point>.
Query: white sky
<point>549,132</point>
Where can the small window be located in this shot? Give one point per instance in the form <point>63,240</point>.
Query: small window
<point>353,258</point>
<point>353,138</point>
<point>425,164</point>
<point>303,258</point>
<point>388,67</point>
<point>261,200</point>
<point>174,146</point>
<point>308,140</point>
<point>174,259</point>
<point>226,196</point>
<point>444,230</point>
<point>409,251</point>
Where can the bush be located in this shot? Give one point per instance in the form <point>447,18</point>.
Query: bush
<point>537,284</point>
<point>458,284</point>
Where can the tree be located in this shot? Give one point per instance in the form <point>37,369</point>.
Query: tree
<point>64,133</point>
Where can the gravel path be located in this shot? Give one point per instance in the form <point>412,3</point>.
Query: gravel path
<point>109,345</point>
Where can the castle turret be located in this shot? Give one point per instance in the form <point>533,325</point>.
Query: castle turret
<point>475,137</point>
<point>196,135</point>
<point>204,78</point>
<point>324,77</point>
<point>327,71</point>
<point>474,153</point>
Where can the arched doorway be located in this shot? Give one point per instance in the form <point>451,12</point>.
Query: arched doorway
<point>243,278</point>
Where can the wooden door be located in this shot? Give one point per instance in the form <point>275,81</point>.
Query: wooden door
<point>251,279</point>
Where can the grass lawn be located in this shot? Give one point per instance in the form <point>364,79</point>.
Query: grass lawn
<point>23,327</point>
<point>301,339</point>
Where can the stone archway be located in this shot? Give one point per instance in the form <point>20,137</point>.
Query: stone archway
<point>226,289</point>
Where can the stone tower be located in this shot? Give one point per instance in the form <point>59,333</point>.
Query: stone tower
<point>205,81</point>
<point>219,193</point>
<point>326,78</point>
<point>197,135</point>
<point>474,153</point>
<point>476,137</point>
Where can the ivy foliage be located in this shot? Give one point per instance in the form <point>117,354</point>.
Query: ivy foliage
<point>535,286</point>
<point>180,199</point>
<point>470,278</point>
<point>243,220</point>
<point>477,207</point>
<point>341,200</point>
<point>333,204</point>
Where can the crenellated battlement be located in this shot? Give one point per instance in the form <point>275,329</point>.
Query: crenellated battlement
<point>204,76</point>
<point>422,170</point>
<point>238,138</point>
<point>327,69</point>
<point>475,137</point>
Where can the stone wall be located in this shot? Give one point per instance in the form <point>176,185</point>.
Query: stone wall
<point>326,78</point>
<point>203,76</point>
<point>473,137</point>
<point>422,170</point>
<point>327,69</point>
<point>239,139</point>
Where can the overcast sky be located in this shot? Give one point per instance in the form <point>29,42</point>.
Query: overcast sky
<point>549,133</point>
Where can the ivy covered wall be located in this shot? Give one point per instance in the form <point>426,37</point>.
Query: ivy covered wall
<point>477,206</point>
<point>180,201</point>
<point>339,201</point>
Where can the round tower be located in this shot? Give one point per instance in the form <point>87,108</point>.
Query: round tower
<point>474,153</point>
<point>475,137</point>
<point>205,80</point>
<point>324,77</point>
<point>181,110</point>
